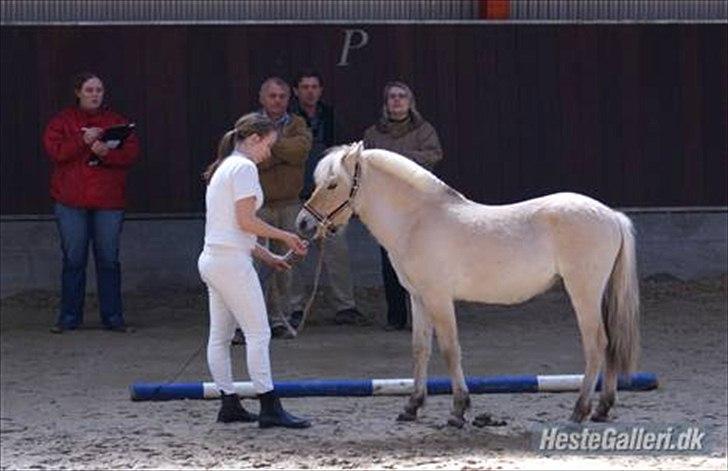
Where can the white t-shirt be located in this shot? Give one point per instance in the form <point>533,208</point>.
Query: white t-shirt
<point>236,178</point>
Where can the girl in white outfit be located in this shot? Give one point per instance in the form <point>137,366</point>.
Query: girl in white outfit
<point>226,266</point>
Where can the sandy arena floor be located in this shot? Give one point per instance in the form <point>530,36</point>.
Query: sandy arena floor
<point>65,402</point>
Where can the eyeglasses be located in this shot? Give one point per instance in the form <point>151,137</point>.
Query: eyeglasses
<point>397,95</point>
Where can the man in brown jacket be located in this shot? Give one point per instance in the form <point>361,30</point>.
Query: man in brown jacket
<point>281,177</point>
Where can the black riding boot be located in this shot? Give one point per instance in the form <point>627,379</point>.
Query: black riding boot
<point>273,415</point>
<point>232,411</point>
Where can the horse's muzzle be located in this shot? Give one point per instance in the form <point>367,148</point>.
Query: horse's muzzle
<point>305,225</point>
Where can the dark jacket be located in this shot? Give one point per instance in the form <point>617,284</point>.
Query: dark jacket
<point>322,129</point>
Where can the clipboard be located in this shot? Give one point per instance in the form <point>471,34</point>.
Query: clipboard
<point>114,136</point>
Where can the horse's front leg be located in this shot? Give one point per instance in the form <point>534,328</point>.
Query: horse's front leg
<point>421,349</point>
<point>443,318</point>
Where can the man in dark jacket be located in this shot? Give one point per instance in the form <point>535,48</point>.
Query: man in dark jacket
<point>308,87</point>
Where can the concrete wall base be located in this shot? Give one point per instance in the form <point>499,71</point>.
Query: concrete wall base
<point>162,251</point>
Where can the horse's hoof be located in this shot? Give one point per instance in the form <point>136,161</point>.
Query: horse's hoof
<point>406,417</point>
<point>580,413</point>
<point>600,418</point>
<point>577,417</point>
<point>486,420</point>
<point>458,422</point>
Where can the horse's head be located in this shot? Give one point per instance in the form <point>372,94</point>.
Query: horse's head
<point>337,182</point>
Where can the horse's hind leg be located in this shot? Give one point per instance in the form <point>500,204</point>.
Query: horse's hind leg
<point>443,318</point>
<point>586,301</point>
<point>421,349</point>
<point>609,392</point>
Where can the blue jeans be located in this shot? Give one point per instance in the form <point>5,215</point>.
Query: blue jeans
<point>78,227</point>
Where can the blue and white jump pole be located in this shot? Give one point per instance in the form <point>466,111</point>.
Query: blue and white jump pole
<point>386,387</point>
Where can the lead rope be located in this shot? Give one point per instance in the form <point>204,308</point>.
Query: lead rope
<point>314,290</point>
<point>292,257</point>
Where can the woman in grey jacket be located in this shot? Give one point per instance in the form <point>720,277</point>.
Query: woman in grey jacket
<point>401,129</point>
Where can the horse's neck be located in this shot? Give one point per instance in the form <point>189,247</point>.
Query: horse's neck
<point>388,208</point>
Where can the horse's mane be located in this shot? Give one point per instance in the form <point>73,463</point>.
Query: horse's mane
<point>391,163</point>
<point>407,171</point>
<point>330,164</point>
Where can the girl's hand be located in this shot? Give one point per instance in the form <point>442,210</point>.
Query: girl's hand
<point>278,263</point>
<point>295,243</point>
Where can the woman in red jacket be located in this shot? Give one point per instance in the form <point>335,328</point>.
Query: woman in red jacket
<point>88,186</point>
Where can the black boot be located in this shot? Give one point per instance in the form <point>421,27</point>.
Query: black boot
<point>273,415</point>
<point>232,411</point>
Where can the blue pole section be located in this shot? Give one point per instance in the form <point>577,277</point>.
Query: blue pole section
<point>385,387</point>
<point>166,392</point>
<point>635,382</point>
<point>501,384</point>
<point>324,387</point>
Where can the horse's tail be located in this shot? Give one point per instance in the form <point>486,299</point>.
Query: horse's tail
<point>622,303</point>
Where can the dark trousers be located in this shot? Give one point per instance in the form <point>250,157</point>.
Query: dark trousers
<point>394,292</point>
<point>78,227</point>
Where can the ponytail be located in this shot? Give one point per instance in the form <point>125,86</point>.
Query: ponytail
<point>252,123</point>
<point>226,144</point>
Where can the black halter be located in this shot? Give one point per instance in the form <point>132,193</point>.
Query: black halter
<point>324,222</point>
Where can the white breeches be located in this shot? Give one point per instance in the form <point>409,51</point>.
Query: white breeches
<point>235,299</point>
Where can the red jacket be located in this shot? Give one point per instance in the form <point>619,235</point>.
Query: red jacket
<point>74,182</point>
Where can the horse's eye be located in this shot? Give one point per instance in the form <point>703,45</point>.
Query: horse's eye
<point>331,186</point>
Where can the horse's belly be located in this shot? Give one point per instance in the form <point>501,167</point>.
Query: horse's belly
<point>512,285</point>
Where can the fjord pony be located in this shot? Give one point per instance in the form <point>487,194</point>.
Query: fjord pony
<point>445,247</point>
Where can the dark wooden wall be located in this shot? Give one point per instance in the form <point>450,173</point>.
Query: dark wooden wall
<point>634,115</point>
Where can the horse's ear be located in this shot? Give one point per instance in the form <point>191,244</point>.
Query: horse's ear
<point>354,152</point>
<point>358,147</point>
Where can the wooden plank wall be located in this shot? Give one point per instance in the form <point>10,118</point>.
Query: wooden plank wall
<point>635,115</point>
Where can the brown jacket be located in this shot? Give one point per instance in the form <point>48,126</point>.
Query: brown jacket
<point>281,176</point>
<point>414,138</point>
